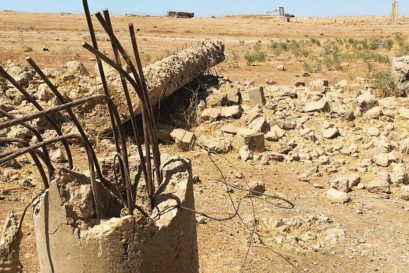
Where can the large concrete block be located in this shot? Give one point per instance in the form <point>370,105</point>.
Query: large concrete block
<point>252,139</point>
<point>256,96</point>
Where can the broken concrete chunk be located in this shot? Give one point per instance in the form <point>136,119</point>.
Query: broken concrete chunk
<point>259,125</point>
<point>229,129</point>
<point>184,139</point>
<point>234,111</point>
<point>245,153</point>
<point>211,114</point>
<point>346,183</point>
<point>380,184</point>
<point>275,133</point>
<point>256,96</point>
<point>257,186</point>
<point>366,101</point>
<point>252,139</point>
<point>337,196</point>
<point>330,133</point>
<point>10,245</point>
<point>218,145</point>
<point>317,106</point>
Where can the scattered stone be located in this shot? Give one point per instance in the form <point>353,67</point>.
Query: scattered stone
<point>58,156</point>
<point>257,186</point>
<point>299,84</point>
<point>10,244</point>
<point>334,235</point>
<point>254,140</point>
<point>281,68</point>
<point>218,145</point>
<point>256,96</point>
<point>404,112</point>
<point>380,184</point>
<point>366,101</point>
<point>373,132</point>
<point>317,106</point>
<point>259,125</point>
<point>345,183</point>
<point>245,153</point>
<point>374,113</point>
<point>337,196</point>
<point>384,159</point>
<point>211,114</point>
<point>234,111</point>
<point>330,133</point>
<point>275,133</point>
<point>184,139</point>
<point>400,74</point>
<point>399,175</point>
<point>404,194</point>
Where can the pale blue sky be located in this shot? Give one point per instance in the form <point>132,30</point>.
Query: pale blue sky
<point>214,7</point>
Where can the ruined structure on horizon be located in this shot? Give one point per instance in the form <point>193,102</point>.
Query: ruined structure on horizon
<point>180,14</point>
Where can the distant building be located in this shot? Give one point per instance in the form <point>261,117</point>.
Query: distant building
<point>180,14</point>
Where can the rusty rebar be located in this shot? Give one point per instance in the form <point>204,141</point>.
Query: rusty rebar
<point>39,138</point>
<point>38,106</point>
<point>97,200</point>
<point>77,124</point>
<point>152,127</point>
<point>32,154</point>
<point>128,100</point>
<point>101,70</point>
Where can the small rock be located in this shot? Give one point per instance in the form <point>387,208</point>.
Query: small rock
<point>330,133</point>
<point>281,68</point>
<point>257,186</point>
<point>380,184</point>
<point>317,106</point>
<point>366,101</point>
<point>259,125</point>
<point>337,196</point>
<point>373,131</point>
<point>211,114</point>
<point>234,111</point>
<point>245,153</point>
<point>184,139</point>
<point>58,156</point>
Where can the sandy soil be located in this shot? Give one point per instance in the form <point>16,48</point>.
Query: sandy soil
<point>377,232</point>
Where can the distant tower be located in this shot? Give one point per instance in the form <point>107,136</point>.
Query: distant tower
<point>395,11</point>
<point>281,11</point>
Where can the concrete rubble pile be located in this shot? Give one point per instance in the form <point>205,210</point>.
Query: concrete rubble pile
<point>352,138</point>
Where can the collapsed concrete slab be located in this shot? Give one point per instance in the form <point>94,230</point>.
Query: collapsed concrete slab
<point>165,77</point>
<point>164,242</point>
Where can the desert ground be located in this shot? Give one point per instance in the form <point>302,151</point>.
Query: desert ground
<point>310,151</point>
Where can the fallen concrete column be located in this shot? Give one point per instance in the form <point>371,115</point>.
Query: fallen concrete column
<point>69,241</point>
<point>165,77</point>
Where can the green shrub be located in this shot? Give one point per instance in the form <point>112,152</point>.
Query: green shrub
<point>255,56</point>
<point>383,82</point>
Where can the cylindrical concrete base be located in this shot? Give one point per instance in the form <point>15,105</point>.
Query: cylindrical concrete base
<point>165,243</point>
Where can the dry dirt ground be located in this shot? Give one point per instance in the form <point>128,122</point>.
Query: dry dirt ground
<point>368,234</point>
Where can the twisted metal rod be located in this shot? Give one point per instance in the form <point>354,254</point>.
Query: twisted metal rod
<point>128,101</point>
<point>146,114</point>
<point>33,156</point>
<point>39,137</point>
<point>77,124</point>
<point>32,100</point>
<point>97,200</point>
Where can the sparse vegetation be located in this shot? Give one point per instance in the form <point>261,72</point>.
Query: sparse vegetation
<point>382,81</point>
